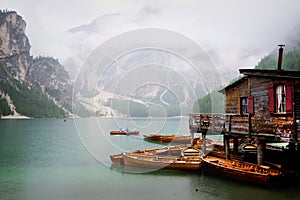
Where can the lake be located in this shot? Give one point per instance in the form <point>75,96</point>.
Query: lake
<point>52,159</point>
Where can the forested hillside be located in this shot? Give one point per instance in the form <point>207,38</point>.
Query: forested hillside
<point>291,60</point>
<point>30,103</point>
<point>33,87</point>
<point>4,107</point>
<point>210,103</point>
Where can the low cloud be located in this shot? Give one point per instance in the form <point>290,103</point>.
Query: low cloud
<point>234,33</point>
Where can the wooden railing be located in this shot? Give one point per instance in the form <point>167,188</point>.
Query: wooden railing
<point>239,125</point>
<point>215,124</point>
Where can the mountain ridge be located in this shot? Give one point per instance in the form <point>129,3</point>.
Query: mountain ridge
<point>19,77</point>
<point>44,78</point>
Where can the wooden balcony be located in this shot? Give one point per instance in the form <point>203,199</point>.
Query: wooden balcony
<point>213,124</point>
<point>232,125</point>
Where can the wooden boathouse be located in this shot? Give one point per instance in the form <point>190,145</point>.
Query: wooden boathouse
<point>263,106</point>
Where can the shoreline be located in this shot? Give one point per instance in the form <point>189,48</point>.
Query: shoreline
<point>76,117</point>
<point>15,117</point>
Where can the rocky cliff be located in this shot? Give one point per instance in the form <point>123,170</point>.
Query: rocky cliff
<point>50,76</point>
<point>14,45</point>
<point>43,75</point>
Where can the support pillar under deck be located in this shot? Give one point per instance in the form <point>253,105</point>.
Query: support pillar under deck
<point>261,146</point>
<point>227,147</point>
<point>192,137</point>
<point>204,143</point>
<point>235,144</point>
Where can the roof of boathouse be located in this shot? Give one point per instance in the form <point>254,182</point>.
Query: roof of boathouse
<point>271,73</point>
<point>288,74</point>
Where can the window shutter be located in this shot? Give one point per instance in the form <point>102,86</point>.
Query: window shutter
<point>251,104</point>
<point>289,100</point>
<point>271,99</point>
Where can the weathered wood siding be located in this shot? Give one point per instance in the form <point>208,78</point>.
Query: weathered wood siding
<point>232,97</point>
<point>262,121</point>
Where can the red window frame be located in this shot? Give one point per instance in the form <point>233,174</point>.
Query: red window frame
<point>272,99</point>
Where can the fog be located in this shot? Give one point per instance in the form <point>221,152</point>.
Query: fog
<point>235,34</point>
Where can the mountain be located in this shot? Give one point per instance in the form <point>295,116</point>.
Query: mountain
<point>14,46</point>
<point>40,86</point>
<point>161,71</point>
<point>138,83</point>
<point>51,77</point>
<point>163,78</point>
<point>34,87</point>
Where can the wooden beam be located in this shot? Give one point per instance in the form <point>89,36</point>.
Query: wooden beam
<point>204,143</point>
<point>260,151</point>
<point>227,147</point>
<point>192,137</point>
<point>229,126</point>
<point>235,144</point>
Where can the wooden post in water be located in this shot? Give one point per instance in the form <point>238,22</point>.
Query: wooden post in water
<point>227,147</point>
<point>260,151</point>
<point>192,137</point>
<point>235,144</point>
<point>204,142</point>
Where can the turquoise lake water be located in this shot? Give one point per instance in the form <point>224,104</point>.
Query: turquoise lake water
<point>52,159</point>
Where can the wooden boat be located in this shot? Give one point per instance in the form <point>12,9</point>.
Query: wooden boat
<point>222,154</point>
<point>121,132</point>
<point>183,139</point>
<point>168,150</point>
<point>117,159</point>
<point>191,152</point>
<point>216,150</point>
<point>241,170</point>
<point>162,162</point>
<point>248,148</point>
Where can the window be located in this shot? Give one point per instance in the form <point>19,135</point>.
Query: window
<point>280,99</point>
<point>244,105</point>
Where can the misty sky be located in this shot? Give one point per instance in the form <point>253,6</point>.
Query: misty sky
<point>235,33</point>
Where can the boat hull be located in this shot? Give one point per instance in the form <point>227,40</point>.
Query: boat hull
<point>236,170</point>
<point>124,132</point>
<point>117,159</point>
<point>183,139</point>
<point>155,162</point>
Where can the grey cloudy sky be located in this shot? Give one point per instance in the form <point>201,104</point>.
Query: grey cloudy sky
<point>235,33</point>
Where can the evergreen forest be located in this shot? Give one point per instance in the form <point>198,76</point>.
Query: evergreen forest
<point>31,103</point>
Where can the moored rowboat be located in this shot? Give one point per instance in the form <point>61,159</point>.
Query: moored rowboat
<point>162,162</point>
<point>241,170</point>
<point>184,139</point>
<point>115,132</point>
<point>117,159</point>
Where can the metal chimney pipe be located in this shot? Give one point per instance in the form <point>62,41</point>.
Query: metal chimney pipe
<point>280,56</point>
